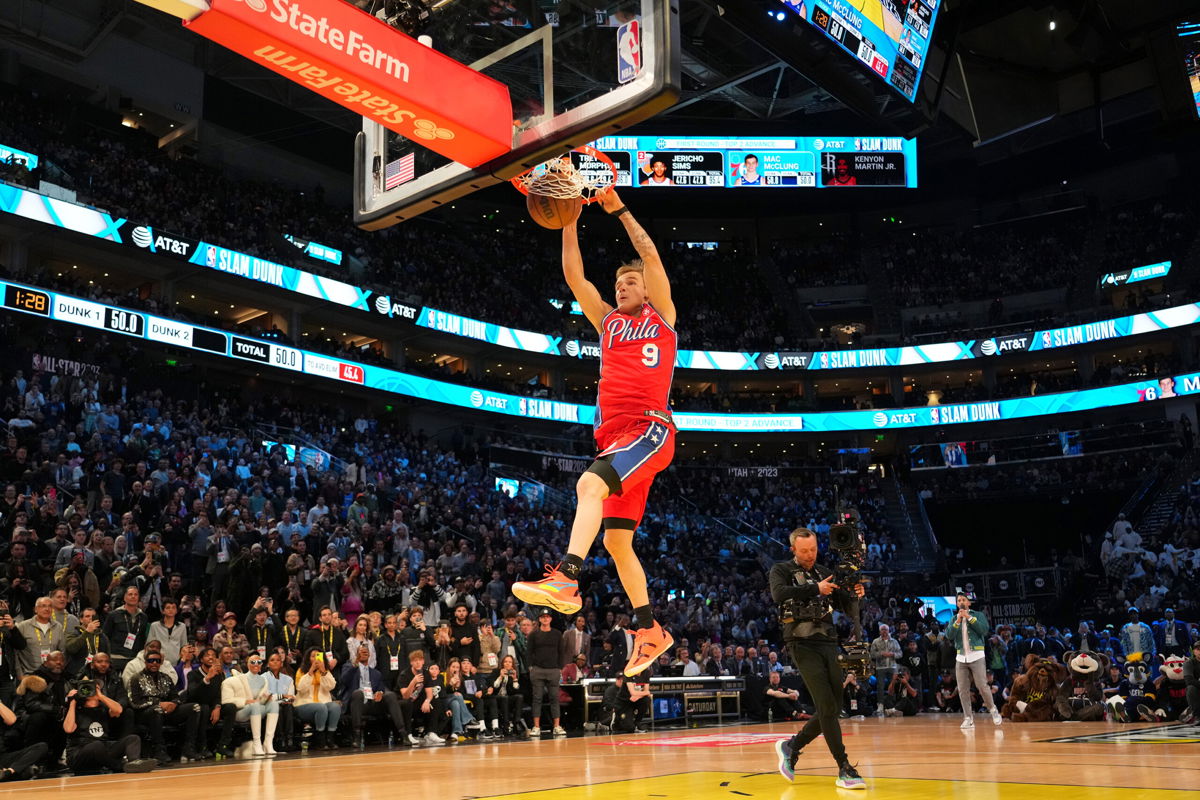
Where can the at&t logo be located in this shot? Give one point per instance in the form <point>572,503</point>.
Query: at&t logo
<point>477,399</point>
<point>771,361</point>
<point>880,419</point>
<point>573,348</point>
<point>383,304</point>
<point>988,347</point>
<point>142,236</point>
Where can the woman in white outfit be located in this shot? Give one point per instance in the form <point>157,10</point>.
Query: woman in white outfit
<point>248,691</point>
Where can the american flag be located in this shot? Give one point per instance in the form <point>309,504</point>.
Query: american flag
<point>399,171</point>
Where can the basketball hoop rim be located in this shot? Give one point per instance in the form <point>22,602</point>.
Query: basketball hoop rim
<point>521,182</point>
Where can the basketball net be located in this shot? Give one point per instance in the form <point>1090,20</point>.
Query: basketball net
<point>559,178</point>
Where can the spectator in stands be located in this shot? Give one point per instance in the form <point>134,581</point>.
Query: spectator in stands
<point>1137,636</point>
<point>155,700</point>
<point>42,636</point>
<point>83,643</point>
<point>283,691</point>
<point>126,629</point>
<point>246,697</point>
<point>314,698</point>
<point>360,689</point>
<point>884,652</point>
<point>575,641</point>
<point>329,639</point>
<point>170,633</point>
<point>40,700</point>
<point>507,687</point>
<point>1171,636</point>
<point>11,643</point>
<point>544,646</point>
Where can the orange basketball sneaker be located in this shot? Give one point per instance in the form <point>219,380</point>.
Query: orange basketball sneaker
<point>648,645</point>
<point>555,590</point>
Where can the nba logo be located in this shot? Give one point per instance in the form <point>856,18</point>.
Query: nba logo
<point>629,51</point>
<point>824,360</point>
<point>934,416</point>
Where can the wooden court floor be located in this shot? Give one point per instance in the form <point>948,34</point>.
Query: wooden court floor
<point>915,758</point>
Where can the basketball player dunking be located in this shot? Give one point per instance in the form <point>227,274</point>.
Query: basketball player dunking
<point>635,435</point>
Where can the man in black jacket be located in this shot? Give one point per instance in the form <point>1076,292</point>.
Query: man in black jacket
<point>126,630</point>
<point>156,702</point>
<point>330,640</point>
<point>204,689</point>
<point>811,638</point>
<point>11,641</point>
<point>464,635</point>
<point>110,684</point>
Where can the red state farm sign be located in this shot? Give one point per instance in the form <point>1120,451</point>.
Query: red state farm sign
<point>359,62</point>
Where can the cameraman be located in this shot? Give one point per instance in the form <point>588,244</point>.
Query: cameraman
<point>90,748</point>
<point>806,589</point>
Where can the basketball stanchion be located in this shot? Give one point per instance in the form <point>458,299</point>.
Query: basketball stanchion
<point>558,189</point>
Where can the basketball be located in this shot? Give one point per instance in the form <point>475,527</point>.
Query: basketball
<point>553,212</point>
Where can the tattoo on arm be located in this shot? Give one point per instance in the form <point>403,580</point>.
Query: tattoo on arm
<point>641,240</point>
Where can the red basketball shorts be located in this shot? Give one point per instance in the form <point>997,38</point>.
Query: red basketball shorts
<point>637,448</point>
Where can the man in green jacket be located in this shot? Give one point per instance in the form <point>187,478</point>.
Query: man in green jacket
<point>967,630</point>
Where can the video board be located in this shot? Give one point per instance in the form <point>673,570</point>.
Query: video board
<point>732,162</point>
<point>891,37</point>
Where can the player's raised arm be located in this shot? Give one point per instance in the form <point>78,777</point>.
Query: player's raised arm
<point>658,287</point>
<point>594,308</point>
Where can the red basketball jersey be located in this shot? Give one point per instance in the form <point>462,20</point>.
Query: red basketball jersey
<point>637,360</point>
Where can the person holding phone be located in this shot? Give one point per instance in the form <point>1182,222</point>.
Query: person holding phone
<point>314,698</point>
<point>507,691</point>
<point>11,642</point>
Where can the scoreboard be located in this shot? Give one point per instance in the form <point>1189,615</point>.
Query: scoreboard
<point>817,162</point>
<point>891,37</point>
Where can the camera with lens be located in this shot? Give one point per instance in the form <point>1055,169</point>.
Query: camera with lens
<point>846,539</point>
<point>84,688</point>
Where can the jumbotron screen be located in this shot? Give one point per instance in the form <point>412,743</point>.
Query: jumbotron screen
<point>889,36</point>
<point>1189,40</point>
<point>735,162</point>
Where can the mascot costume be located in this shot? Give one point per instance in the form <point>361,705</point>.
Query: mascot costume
<point>1136,698</point>
<point>1079,696</point>
<point>1033,692</point>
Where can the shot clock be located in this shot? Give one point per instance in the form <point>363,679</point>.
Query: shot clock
<point>27,300</point>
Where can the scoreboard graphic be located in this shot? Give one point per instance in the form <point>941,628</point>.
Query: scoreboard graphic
<point>1189,40</point>
<point>815,162</point>
<point>889,36</point>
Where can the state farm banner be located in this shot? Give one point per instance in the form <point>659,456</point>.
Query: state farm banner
<point>365,65</point>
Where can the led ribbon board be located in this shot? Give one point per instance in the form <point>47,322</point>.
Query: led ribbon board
<point>81,219</point>
<point>66,308</point>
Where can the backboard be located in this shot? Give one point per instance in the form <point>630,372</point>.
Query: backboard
<point>576,70</point>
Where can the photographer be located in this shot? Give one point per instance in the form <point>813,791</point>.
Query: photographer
<point>902,696</point>
<point>85,642</point>
<point>807,595</point>
<point>109,684</point>
<point>90,747</point>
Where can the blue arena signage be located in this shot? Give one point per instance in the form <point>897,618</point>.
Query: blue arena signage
<point>19,298</point>
<point>89,221</point>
